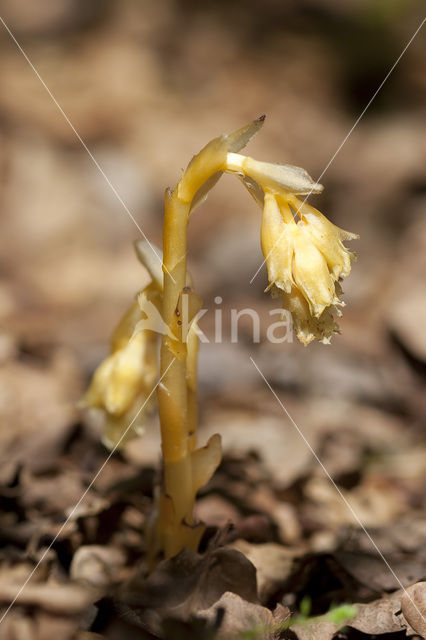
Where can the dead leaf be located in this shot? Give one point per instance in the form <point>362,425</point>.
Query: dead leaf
<point>283,514</point>
<point>405,536</point>
<point>413,605</point>
<point>316,630</point>
<point>215,511</point>
<point>183,585</point>
<point>37,409</point>
<point>56,598</point>
<point>273,563</point>
<point>370,570</point>
<point>242,616</point>
<point>97,566</point>
<point>375,501</point>
<point>375,618</point>
<point>271,437</point>
<point>195,628</point>
<point>52,493</point>
<point>51,626</point>
<point>256,528</point>
<point>378,616</point>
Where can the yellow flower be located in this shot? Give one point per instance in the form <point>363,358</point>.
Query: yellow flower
<point>123,382</point>
<point>304,252</point>
<point>122,385</point>
<point>304,259</point>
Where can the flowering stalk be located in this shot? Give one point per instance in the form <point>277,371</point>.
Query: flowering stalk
<point>183,473</point>
<point>305,259</point>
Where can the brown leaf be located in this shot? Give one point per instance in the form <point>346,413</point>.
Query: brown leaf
<point>242,616</point>
<point>97,566</point>
<point>273,563</point>
<point>370,570</point>
<point>57,598</point>
<point>226,570</point>
<point>316,630</point>
<point>53,493</point>
<point>188,583</point>
<point>54,626</point>
<point>413,605</point>
<point>283,514</point>
<point>249,430</point>
<point>378,616</point>
<point>37,409</point>
<point>216,511</point>
<point>375,618</point>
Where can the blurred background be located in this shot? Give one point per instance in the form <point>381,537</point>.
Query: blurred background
<point>146,85</point>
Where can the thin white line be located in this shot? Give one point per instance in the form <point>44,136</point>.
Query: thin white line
<point>348,505</point>
<point>81,499</point>
<point>361,115</point>
<point>80,139</point>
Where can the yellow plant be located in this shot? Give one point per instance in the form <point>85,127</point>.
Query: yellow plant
<point>305,259</point>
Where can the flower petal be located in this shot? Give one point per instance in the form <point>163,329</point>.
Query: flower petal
<point>277,246</point>
<point>131,373</point>
<point>311,274</point>
<point>326,237</point>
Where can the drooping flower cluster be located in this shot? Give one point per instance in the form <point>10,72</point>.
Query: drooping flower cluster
<point>122,384</point>
<point>304,252</point>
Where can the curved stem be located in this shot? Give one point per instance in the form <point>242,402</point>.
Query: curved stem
<point>177,393</point>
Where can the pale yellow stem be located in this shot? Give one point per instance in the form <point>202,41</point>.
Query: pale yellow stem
<point>172,392</point>
<point>177,393</point>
